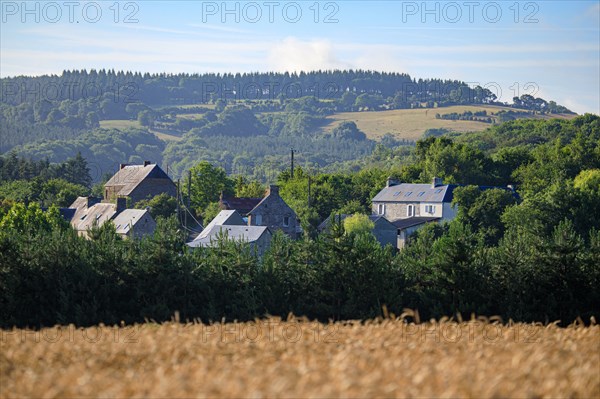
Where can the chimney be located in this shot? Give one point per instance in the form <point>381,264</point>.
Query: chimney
<point>391,182</point>
<point>121,204</point>
<point>273,189</point>
<point>122,165</point>
<point>91,201</point>
<point>437,181</point>
<point>146,163</point>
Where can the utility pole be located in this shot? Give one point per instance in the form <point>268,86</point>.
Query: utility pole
<point>292,165</point>
<point>188,196</point>
<point>309,191</point>
<point>178,199</point>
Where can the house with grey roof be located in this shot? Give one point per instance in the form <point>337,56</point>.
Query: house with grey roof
<point>409,200</point>
<point>134,223</point>
<point>273,212</point>
<point>229,225</point>
<point>139,182</point>
<point>409,206</point>
<point>384,231</point>
<point>89,212</point>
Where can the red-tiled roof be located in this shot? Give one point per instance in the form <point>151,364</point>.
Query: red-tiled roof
<point>242,205</point>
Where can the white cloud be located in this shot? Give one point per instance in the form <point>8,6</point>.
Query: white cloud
<point>292,54</point>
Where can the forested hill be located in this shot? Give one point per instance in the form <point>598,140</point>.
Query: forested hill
<point>153,89</point>
<point>396,90</point>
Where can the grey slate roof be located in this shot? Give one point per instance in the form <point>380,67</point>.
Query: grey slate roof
<point>228,217</point>
<point>130,176</point>
<point>127,219</point>
<point>98,213</point>
<point>411,192</point>
<point>414,221</point>
<point>238,233</point>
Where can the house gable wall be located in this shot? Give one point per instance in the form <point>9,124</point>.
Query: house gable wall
<point>272,212</point>
<point>151,187</point>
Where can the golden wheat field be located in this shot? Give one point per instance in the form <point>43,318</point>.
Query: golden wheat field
<point>297,358</point>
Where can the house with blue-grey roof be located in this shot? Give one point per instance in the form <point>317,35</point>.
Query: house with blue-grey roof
<point>409,206</point>
<point>411,200</point>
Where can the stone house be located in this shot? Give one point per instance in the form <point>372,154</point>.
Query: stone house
<point>134,223</point>
<point>273,212</point>
<point>409,200</point>
<point>139,182</point>
<point>409,206</point>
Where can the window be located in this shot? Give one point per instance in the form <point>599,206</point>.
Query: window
<point>408,194</point>
<point>439,190</point>
<point>381,209</point>
<point>421,194</point>
<point>397,193</point>
<point>410,211</point>
<point>258,220</point>
<point>286,221</point>
<point>430,209</point>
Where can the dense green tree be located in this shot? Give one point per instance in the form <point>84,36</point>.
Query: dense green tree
<point>208,182</point>
<point>245,189</point>
<point>358,224</point>
<point>161,205</point>
<point>348,130</point>
<point>483,209</point>
<point>145,118</point>
<point>61,193</point>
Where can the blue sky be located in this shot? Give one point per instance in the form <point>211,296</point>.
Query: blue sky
<point>550,49</point>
